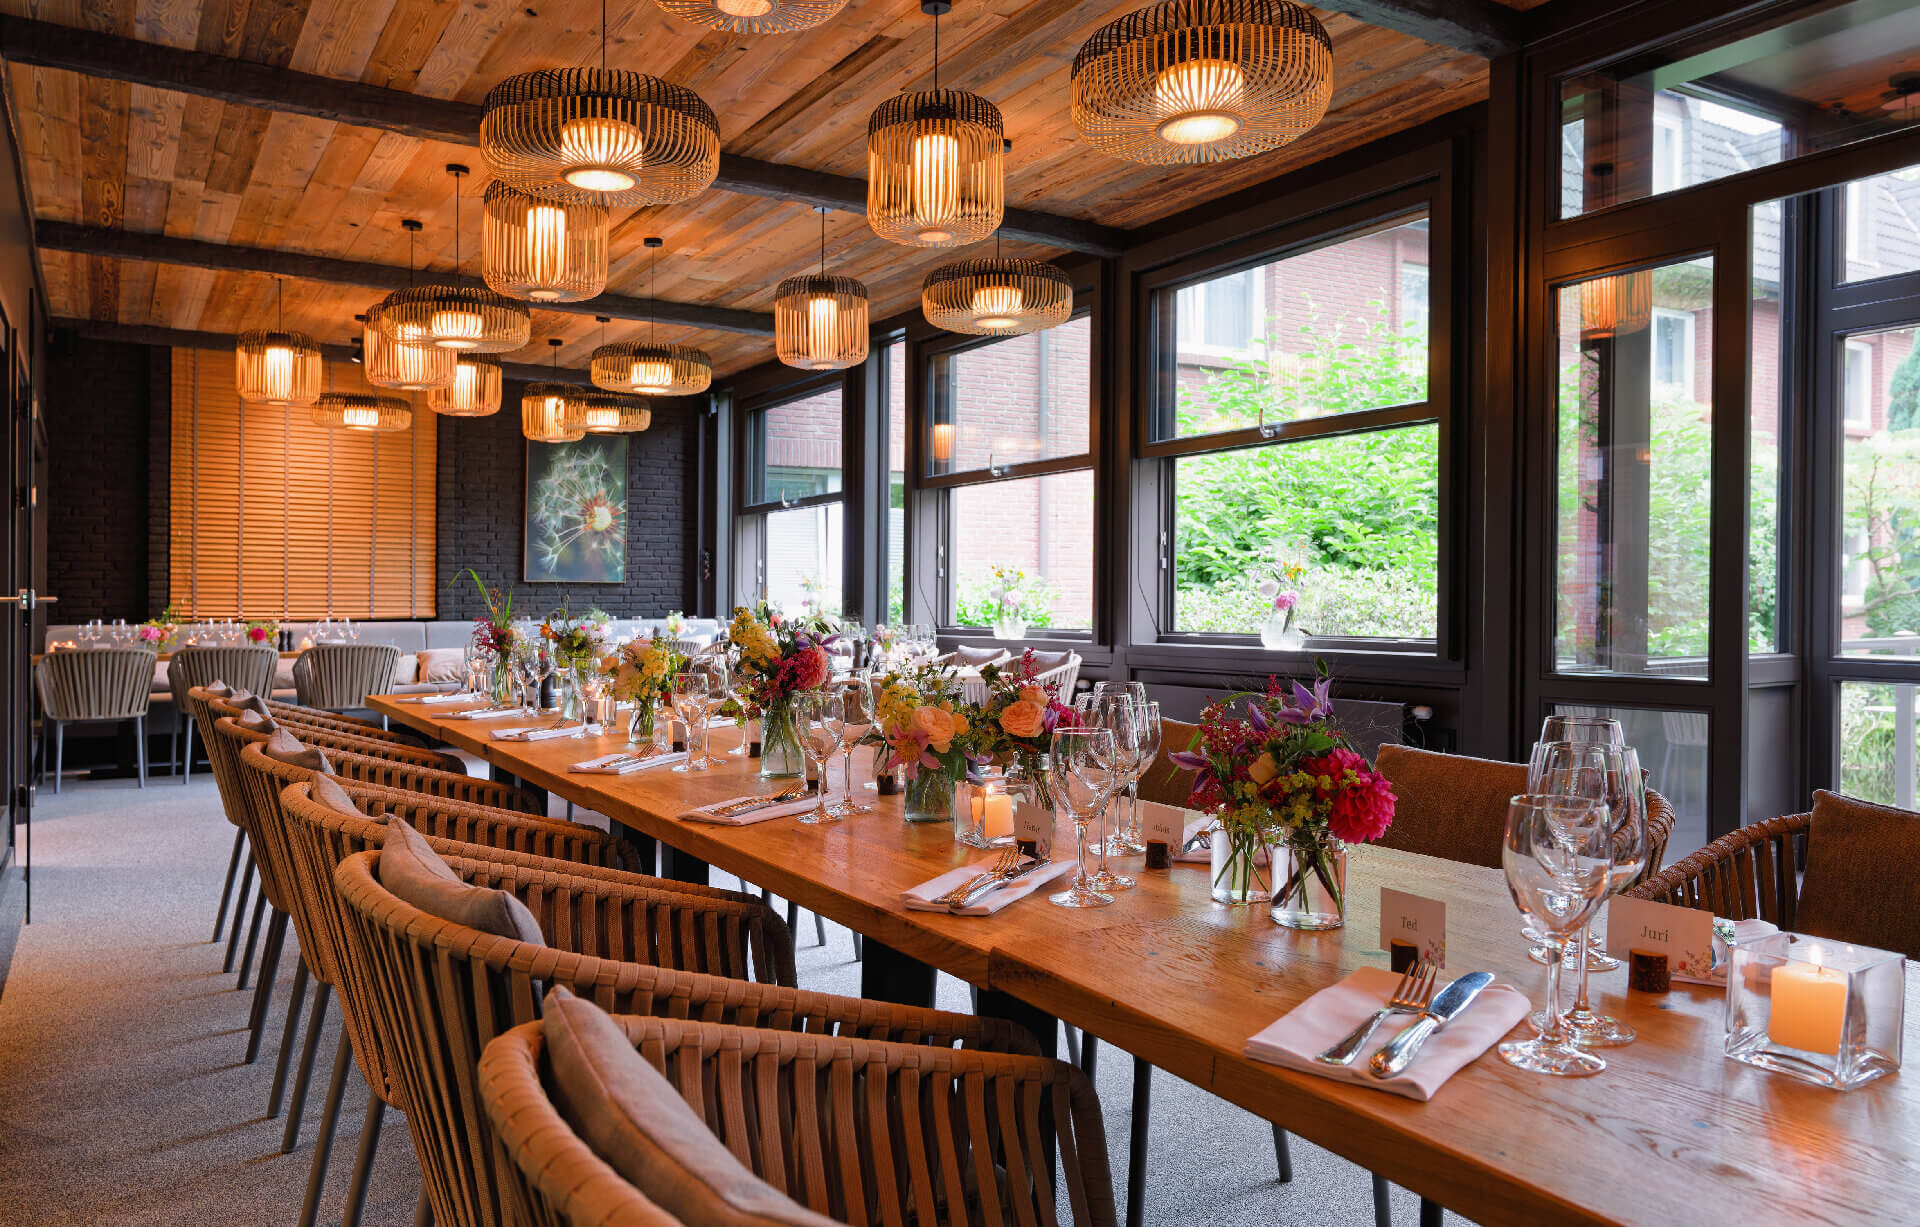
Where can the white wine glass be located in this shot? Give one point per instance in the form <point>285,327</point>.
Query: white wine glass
<point>691,691</point>
<point>1558,862</point>
<point>822,716</point>
<point>1080,776</point>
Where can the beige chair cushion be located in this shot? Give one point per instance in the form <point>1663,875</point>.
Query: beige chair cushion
<point>632,1117</point>
<point>1046,662</point>
<point>289,749</point>
<point>324,791</point>
<point>974,658</point>
<point>1860,884</point>
<point>439,665</point>
<point>1449,805</point>
<point>218,689</point>
<point>405,670</point>
<point>413,871</point>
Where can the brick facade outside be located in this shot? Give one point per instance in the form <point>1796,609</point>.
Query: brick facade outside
<point>101,530</point>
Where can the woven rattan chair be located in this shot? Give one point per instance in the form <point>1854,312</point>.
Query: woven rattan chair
<point>339,723</point>
<point>444,991</point>
<point>337,676</point>
<point>356,739</point>
<point>858,1131</point>
<point>82,686</point>
<point>1750,873</point>
<point>248,668</point>
<point>400,767</point>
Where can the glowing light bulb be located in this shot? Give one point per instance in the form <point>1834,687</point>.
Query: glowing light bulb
<point>546,250</point>
<point>996,306</point>
<point>602,419</point>
<point>823,327</point>
<point>744,8</point>
<point>456,328</point>
<point>595,149</point>
<point>1201,100</point>
<point>276,373</point>
<point>355,418</point>
<point>650,375</point>
<point>934,180</point>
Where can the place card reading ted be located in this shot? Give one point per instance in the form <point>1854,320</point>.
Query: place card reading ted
<point>1410,918</point>
<point>1683,934</point>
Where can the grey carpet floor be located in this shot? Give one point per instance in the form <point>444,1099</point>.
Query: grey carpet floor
<point>124,1099</point>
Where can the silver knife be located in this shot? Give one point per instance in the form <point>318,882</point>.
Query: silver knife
<point>1454,998</point>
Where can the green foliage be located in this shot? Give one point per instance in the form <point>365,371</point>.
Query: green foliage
<point>1903,394</point>
<point>973,607</point>
<point>1882,503</point>
<point>1868,745</point>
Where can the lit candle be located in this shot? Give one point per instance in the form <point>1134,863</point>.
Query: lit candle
<point>994,812</point>
<point>1809,1006</point>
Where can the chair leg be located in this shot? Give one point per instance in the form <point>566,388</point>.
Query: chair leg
<point>1382,1211</point>
<point>1137,1141</point>
<point>226,888</point>
<point>793,914</point>
<point>423,1209</point>
<point>1431,1214</point>
<point>263,988</point>
<point>140,746</point>
<point>239,912</point>
<point>253,938</point>
<point>329,1118</point>
<point>173,749</point>
<point>297,1106</point>
<point>819,929</point>
<point>1073,1043</point>
<point>59,754</point>
<point>186,764</point>
<point>296,998</point>
<point>363,1161</point>
<point>1282,1155</point>
<point>859,951</point>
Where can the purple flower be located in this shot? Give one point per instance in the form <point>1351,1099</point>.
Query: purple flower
<point>1257,717</point>
<point>1187,759</point>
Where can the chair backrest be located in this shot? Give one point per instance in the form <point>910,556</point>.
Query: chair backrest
<point>398,772</point>
<point>1164,782</point>
<point>337,675</point>
<point>241,668</point>
<point>790,1109</point>
<point>443,991</point>
<point>1449,805</point>
<point>1060,669</point>
<point>964,657</point>
<point>338,722</point>
<point>95,683</point>
<point>1749,873</point>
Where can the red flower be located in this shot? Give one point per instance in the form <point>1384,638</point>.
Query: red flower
<point>1362,802</point>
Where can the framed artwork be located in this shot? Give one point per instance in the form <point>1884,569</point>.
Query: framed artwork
<point>576,511</point>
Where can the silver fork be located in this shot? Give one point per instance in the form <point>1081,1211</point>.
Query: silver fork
<point>1413,995</point>
<point>1004,864</point>
<point>790,793</point>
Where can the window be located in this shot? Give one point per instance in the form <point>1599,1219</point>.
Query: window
<point>1226,316</point>
<point>1880,494</point>
<point>790,532</point>
<point>1669,152</point>
<point>274,517</point>
<point>1881,225</point>
<point>1857,390</point>
<point>1672,354</point>
<point>1011,471</point>
<point>1314,465</point>
<point>895,358</point>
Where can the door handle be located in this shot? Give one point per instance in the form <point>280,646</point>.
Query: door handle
<point>27,599</point>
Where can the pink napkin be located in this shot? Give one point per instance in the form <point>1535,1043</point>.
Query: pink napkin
<point>1325,1019</point>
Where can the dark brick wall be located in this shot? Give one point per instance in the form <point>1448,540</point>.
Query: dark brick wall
<point>101,526</point>
<point>481,510</point>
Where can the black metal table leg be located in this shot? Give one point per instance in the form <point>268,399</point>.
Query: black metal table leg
<point>683,866</point>
<point>888,975</point>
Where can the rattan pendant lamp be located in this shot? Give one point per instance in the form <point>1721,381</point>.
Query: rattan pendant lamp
<point>1202,80</point>
<point>362,412</point>
<point>475,390</point>
<point>540,249</point>
<point>754,16</point>
<point>602,135</point>
<point>400,365</point>
<point>277,367</point>
<point>935,171</point>
<point>1613,306</point>
<point>462,318</point>
<point>997,296</point>
<point>546,414</point>
<point>820,322</point>
<point>647,367</point>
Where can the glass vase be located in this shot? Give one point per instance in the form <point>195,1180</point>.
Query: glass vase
<point>502,680</point>
<point>1313,892</point>
<point>1010,626</point>
<point>1241,865</point>
<point>930,797</point>
<point>641,724</point>
<point>780,755</point>
<point>1277,636</point>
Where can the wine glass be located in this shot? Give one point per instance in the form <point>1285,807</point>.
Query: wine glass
<point>719,679</point>
<point>523,670</point>
<point>1080,776</point>
<point>691,691</point>
<point>738,690</point>
<point>857,695</point>
<point>1556,855</point>
<point>1120,717</point>
<point>822,716</point>
<point>1573,727</point>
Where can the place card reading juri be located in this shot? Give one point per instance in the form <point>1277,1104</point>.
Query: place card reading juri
<point>1683,934</point>
<point>1410,918</point>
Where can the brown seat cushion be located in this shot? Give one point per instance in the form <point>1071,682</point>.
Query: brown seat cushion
<point>632,1117</point>
<point>413,871</point>
<point>256,722</point>
<point>1861,885</point>
<point>1164,782</point>
<point>1449,805</point>
<point>334,797</point>
<point>974,658</point>
<point>1046,662</point>
<point>289,749</point>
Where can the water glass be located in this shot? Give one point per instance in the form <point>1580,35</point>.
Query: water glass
<point>1557,858</point>
<point>692,692</point>
<point>822,716</point>
<point>1080,776</point>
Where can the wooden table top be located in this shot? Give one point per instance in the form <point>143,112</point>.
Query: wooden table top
<point>1671,1130</point>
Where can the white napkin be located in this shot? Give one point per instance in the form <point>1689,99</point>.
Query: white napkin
<point>1327,1017</point>
<point>785,809</point>
<point>482,713</point>
<point>461,697</point>
<point>921,898</point>
<point>611,764</point>
<point>536,732</point>
<point>1202,854</point>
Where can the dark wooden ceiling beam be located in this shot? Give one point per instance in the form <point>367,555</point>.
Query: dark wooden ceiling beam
<point>1479,27</point>
<point>244,83</point>
<point>196,253</point>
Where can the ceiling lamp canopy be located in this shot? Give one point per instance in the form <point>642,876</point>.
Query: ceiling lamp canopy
<point>361,412</point>
<point>820,322</point>
<point>402,367</point>
<point>277,367</point>
<point>1202,80</point>
<point>540,249</point>
<point>754,16</point>
<point>1610,306</point>
<point>609,413</point>
<point>465,318</point>
<point>545,408</point>
<point>996,297</point>
<point>935,163</point>
<point>475,390</point>
<point>648,367</point>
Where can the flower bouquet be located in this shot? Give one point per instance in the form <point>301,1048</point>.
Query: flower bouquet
<point>778,657</point>
<point>1283,774</point>
<point>1008,602</point>
<point>925,729</point>
<point>262,632</point>
<point>578,642</point>
<point>1016,723</point>
<point>159,633</point>
<point>493,634</point>
<point>677,624</point>
<point>643,671</point>
<point>1277,632</point>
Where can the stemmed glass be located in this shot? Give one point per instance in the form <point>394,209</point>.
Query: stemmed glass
<point>1122,718</point>
<point>1567,727</point>
<point>1556,855</point>
<point>822,715</point>
<point>523,666</point>
<point>857,694</point>
<point>692,691</point>
<point>1118,842</point>
<point>1080,775</point>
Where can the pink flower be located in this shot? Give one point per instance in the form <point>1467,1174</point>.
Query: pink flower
<point>1362,803</point>
<point>1285,601</point>
<point>257,633</point>
<point>812,668</point>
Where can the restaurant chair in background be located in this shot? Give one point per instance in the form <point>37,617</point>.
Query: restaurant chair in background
<point>695,1122</point>
<point>249,668</point>
<point>320,718</point>
<point>964,657</point>
<point>1858,884</point>
<point>338,676</point>
<point>1060,669</point>
<point>402,766</point>
<point>95,684</point>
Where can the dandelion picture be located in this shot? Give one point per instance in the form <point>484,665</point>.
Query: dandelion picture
<point>576,530</point>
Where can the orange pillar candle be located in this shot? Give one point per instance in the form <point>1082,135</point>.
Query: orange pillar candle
<point>1809,1007</point>
<point>993,811</point>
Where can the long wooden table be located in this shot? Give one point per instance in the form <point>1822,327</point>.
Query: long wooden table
<point>1670,1131</point>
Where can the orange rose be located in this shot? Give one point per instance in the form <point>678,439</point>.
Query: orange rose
<point>936,724</point>
<point>1023,718</point>
<point>1033,694</point>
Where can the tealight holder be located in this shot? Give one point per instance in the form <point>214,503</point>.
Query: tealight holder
<point>983,812</point>
<point>1823,1011</point>
<point>603,711</point>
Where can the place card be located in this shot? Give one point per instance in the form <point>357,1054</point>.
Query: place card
<point>1165,824</point>
<point>1410,918</point>
<point>1683,934</point>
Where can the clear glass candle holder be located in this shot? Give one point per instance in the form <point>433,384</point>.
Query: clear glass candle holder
<point>1823,1011</point>
<point>983,812</point>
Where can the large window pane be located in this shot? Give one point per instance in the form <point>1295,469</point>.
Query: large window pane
<point>896,521</point>
<point>1634,465</point>
<point>802,553</point>
<point>1334,330</point>
<point>1042,526</point>
<point>1012,401</point>
<point>1768,356</point>
<point>1877,745</point>
<point>1879,591</point>
<point>1880,225</point>
<point>1722,104</point>
<point>794,448</point>
<point>1673,752</point>
<point>1349,522</point>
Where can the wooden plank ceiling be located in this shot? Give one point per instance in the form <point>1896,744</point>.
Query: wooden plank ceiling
<point>107,153</point>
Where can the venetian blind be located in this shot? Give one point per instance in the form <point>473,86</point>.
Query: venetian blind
<point>274,517</point>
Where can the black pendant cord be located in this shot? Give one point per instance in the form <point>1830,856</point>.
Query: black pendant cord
<point>603,35</point>
<point>936,53</point>
<point>456,224</point>
<point>823,243</point>
<point>653,296</point>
